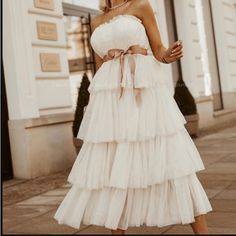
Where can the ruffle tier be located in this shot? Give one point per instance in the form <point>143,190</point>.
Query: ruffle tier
<point>135,164</point>
<point>109,119</point>
<point>150,75</point>
<point>175,201</point>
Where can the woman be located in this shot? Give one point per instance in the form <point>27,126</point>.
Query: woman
<point>137,164</point>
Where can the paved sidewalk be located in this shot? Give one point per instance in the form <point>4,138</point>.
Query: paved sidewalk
<point>29,206</point>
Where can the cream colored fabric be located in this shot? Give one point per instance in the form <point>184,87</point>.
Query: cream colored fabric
<point>138,164</point>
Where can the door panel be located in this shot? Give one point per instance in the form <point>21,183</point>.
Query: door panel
<point>213,57</point>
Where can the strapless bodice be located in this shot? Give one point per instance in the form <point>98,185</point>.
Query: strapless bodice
<point>121,32</point>
<point>136,70</point>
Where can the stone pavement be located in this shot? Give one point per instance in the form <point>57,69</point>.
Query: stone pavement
<point>29,205</point>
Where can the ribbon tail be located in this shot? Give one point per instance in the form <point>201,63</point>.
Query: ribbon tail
<point>138,97</point>
<point>122,74</point>
<point>137,91</point>
<point>121,92</point>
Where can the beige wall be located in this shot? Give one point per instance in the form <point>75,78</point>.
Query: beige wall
<point>194,73</point>
<point>39,102</point>
<point>224,16</point>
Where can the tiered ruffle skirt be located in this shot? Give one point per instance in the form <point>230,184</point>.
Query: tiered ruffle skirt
<point>137,165</point>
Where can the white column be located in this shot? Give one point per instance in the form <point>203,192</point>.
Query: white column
<point>194,74</point>
<point>39,100</point>
<point>224,17</point>
<point>192,70</point>
<point>203,45</point>
<point>18,61</point>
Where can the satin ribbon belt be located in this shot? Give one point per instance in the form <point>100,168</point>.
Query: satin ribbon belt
<point>120,53</point>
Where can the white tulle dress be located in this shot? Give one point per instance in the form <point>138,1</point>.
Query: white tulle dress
<point>137,165</point>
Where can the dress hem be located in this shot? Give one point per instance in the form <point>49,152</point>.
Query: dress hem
<point>132,225</point>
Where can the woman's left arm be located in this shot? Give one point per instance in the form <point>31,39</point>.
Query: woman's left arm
<point>162,54</point>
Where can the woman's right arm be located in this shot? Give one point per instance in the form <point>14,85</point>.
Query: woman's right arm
<point>98,61</point>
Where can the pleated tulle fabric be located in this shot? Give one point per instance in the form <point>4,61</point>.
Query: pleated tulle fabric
<point>137,165</point>
<point>175,201</point>
<point>158,113</point>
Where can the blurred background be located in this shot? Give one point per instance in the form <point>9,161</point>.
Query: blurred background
<point>48,64</point>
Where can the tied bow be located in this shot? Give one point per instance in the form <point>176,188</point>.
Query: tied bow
<point>120,53</point>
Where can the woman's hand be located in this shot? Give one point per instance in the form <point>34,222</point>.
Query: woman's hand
<point>173,53</point>
<point>144,11</point>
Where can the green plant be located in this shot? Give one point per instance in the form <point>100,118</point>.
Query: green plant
<point>82,102</point>
<point>184,98</point>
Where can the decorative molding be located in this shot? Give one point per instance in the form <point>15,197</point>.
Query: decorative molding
<point>51,108</point>
<point>47,31</point>
<point>45,13</point>
<point>224,112</point>
<point>50,62</point>
<point>69,8</point>
<point>44,120</point>
<point>202,99</point>
<point>44,4</point>
<point>55,111</point>
<point>62,46</point>
<point>53,77</point>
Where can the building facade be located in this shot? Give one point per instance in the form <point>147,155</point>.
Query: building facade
<point>46,51</point>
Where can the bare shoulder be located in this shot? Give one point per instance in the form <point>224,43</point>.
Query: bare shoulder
<point>141,7</point>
